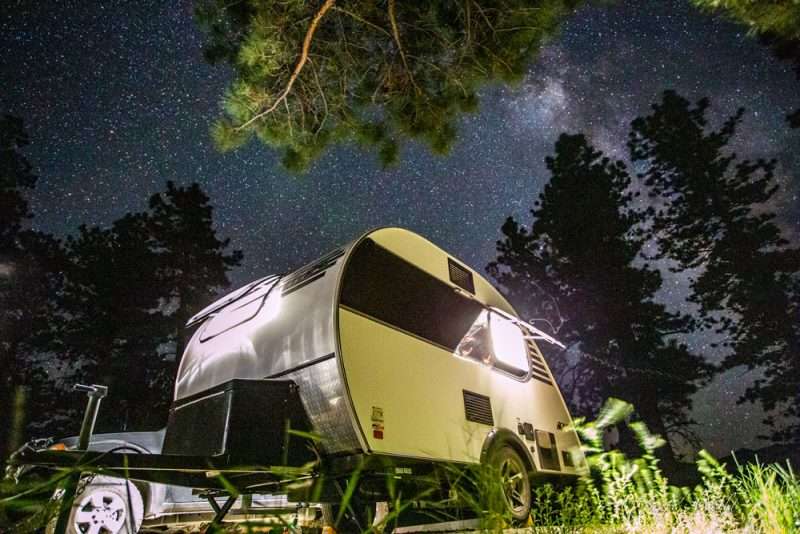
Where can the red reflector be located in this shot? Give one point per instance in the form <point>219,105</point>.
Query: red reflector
<point>377,434</point>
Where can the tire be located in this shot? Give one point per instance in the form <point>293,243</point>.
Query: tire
<point>106,505</point>
<point>515,482</point>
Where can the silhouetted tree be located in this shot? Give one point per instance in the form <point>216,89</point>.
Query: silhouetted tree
<point>112,302</point>
<point>308,74</point>
<point>712,214</point>
<point>29,280</point>
<point>16,175</point>
<point>107,306</point>
<point>776,23</point>
<point>192,263</point>
<point>579,266</point>
<point>130,289</point>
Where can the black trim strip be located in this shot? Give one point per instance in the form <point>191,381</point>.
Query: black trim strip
<point>263,300</point>
<point>302,284</point>
<point>302,366</point>
<point>225,301</point>
<point>394,327</point>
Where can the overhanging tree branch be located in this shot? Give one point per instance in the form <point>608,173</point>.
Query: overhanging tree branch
<point>396,34</point>
<point>312,28</point>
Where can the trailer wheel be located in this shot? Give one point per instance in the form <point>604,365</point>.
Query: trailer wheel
<point>106,505</point>
<point>515,482</point>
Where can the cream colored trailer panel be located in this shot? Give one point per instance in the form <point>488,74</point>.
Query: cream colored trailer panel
<point>418,390</point>
<point>408,389</point>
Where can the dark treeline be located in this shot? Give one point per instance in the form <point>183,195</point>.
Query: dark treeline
<point>590,264</point>
<point>105,305</point>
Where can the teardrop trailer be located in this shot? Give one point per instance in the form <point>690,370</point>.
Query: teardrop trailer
<point>386,356</point>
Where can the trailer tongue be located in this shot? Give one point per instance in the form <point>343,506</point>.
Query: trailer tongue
<point>243,435</point>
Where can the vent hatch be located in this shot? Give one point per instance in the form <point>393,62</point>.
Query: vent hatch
<point>460,276</point>
<point>478,408</point>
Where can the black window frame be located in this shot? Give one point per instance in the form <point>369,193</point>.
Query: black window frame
<point>355,296</point>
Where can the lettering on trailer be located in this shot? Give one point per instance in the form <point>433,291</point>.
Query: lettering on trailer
<point>310,273</point>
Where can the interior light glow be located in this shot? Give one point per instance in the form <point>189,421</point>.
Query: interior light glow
<point>508,343</point>
<point>475,344</point>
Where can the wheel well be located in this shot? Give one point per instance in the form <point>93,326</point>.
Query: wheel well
<point>144,491</point>
<point>503,436</point>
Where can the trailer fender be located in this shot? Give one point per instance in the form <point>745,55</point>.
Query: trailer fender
<point>503,436</point>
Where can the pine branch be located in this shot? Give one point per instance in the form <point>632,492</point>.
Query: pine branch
<point>362,20</point>
<point>312,28</point>
<point>396,34</point>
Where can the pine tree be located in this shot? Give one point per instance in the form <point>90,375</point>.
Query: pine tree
<point>579,266</point>
<point>780,17</point>
<point>16,175</point>
<point>308,74</point>
<point>192,263</point>
<point>111,330</point>
<point>130,289</point>
<point>776,23</point>
<point>713,216</point>
<point>29,279</point>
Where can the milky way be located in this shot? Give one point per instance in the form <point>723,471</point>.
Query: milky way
<point>117,101</point>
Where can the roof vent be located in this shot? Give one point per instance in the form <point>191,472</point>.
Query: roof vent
<point>460,276</point>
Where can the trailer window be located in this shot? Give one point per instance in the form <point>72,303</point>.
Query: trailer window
<point>508,345</point>
<point>496,341</point>
<point>477,342</point>
<point>240,311</point>
<point>384,286</point>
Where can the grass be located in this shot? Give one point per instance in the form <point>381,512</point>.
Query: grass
<point>615,494</point>
<point>620,494</point>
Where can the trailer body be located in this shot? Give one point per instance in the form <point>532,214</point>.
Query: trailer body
<point>387,347</point>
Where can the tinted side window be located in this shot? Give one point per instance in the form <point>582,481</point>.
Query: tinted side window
<point>384,286</point>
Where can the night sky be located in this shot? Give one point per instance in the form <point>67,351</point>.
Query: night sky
<point>117,100</point>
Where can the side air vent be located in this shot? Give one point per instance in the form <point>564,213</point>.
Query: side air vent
<point>478,408</point>
<point>460,276</point>
<point>538,368</point>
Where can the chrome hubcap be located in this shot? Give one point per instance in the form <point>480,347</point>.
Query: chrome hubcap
<point>100,512</point>
<point>514,485</point>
